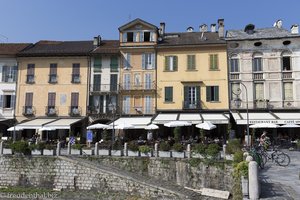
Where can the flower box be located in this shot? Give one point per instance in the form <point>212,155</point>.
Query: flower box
<point>133,153</point>
<point>164,154</point>
<point>148,154</point>
<point>197,155</point>
<point>36,152</point>
<point>75,152</point>
<point>103,152</point>
<point>176,154</point>
<point>7,151</point>
<point>48,152</point>
<point>116,152</point>
<point>245,186</point>
<point>88,152</point>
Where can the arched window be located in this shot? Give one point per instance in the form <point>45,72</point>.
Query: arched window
<point>257,62</point>
<point>234,63</point>
<point>286,61</point>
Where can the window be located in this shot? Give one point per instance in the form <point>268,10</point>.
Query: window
<point>191,97</point>
<point>30,73</point>
<point>114,63</point>
<point>126,60</point>
<point>148,61</point>
<point>257,63</point>
<point>76,73</point>
<point>28,110</point>
<point>171,63</point>
<point>259,91</point>
<point>97,64</point>
<point>129,37</point>
<point>113,82</point>
<point>212,93</point>
<point>9,74</point>
<point>126,82</point>
<point>168,94</point>
<point>53,73</point>
<point>51,103</point>
<point>148,81</point>
<point>213,62</point>
<point>74,103</point>
<point>146,36</point>
<point>288,91</point>
<point>191,62</point>
<point>97,82</point>
<point>286,63</point>
<point>148,104</point>
<point>234,64</point>
<point>7,101</point>
<point>126,104</point>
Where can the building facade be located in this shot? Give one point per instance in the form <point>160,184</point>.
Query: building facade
<point>138,68</point>
<point>53,84</point>
<point>8,81</point>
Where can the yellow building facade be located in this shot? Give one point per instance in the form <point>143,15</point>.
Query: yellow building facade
<point>192,72</point>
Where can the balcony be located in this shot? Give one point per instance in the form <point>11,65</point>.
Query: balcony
<point>261,104</point>
<point>28,111</point>
<point>287,75</point>
<point>102,112</point>
<point>104,88</point>
<point>191,106</point>
<point>51,111</point>
<point>75,78</point>
<point>74,111</point>
<point>29,79</point>
<point>258,76</point>
<point>143,86</point>
<point>52,78</point>
<point>234,76</point>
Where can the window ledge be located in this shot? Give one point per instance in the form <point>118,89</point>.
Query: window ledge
<point>191,70</point>
<point>214,101</point>
<point>214,70</point>
<point>170,71</point>
<point>169,102</point>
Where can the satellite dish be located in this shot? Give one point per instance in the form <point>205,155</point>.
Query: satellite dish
<point>159,39</point>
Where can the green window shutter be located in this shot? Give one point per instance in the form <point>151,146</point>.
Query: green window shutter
<point>208,93</point>
<point>166,63</point>
<point>168,94</point>
<point>175,63</point>
<point>97,64</point>
<point>198,95</point>
<point>216,93</point>
<point>216,61</point>
<point>113,63</point>
<point>186,93</point>
<point>211,60</point>
<point>191,62</point>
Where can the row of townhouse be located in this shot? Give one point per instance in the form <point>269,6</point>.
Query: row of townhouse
<point>150,75</point>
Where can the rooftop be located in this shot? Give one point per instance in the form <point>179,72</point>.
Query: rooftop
<point>12,48</point>
<point>107,47</point>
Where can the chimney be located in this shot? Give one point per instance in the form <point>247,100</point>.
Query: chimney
<point>221,27</point>
<point>162,28</point>
<point>97,41</point>
<point>213,28</point>
<point>203,28</point>
<point>278,24</point>
<point>190,29</point>
<point>295,29</point>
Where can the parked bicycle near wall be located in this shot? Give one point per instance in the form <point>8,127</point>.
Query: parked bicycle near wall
<point>280,158</point>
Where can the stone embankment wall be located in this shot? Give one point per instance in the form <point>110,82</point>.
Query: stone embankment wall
<point>65,173</point>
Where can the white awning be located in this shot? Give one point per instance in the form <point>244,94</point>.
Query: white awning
<point>267,117</point>
<point>34,124</point>
<point>194,118</point>
<point>62,123</point>
<point>137,122</point>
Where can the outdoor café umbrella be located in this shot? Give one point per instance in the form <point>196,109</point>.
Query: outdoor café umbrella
<point>98,126</point>
<point>290,125</point>
<point>177,123</point>
<point>264,125</point>
<point>123,126</point>
<point>152,127</point>
<point>207,125</point>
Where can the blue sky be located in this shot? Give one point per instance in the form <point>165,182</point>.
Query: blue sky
<point>34,20</point>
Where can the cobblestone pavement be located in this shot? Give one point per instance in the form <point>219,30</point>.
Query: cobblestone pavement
<point>281,183</point>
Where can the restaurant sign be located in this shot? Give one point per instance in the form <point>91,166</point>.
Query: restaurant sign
<point>271,121</point>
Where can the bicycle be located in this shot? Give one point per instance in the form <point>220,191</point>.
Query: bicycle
<point>257,157</point>
<point>280,158</point>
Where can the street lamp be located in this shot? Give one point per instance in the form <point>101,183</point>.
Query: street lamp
<point>112,108</point>
<point>238,103</point>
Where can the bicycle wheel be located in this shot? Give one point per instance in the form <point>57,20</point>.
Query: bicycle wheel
<point>282,159</point>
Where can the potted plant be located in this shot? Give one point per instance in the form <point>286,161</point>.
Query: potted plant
<point>133,149</point>
<point>198,150</point>
<point>49,150</point>
<point>145,151</point>
<point>117,149</point>
<point>7,148</point>
<point>37,149</point>
<point>177,150</point>
<point>20,148</point>
<point>164,150</point>
<point>76,149</point>
<point>213,151</point>
<point>177,134</point>
<point>241,173</point>
<point>87,150</point>
<point>104,148</point>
